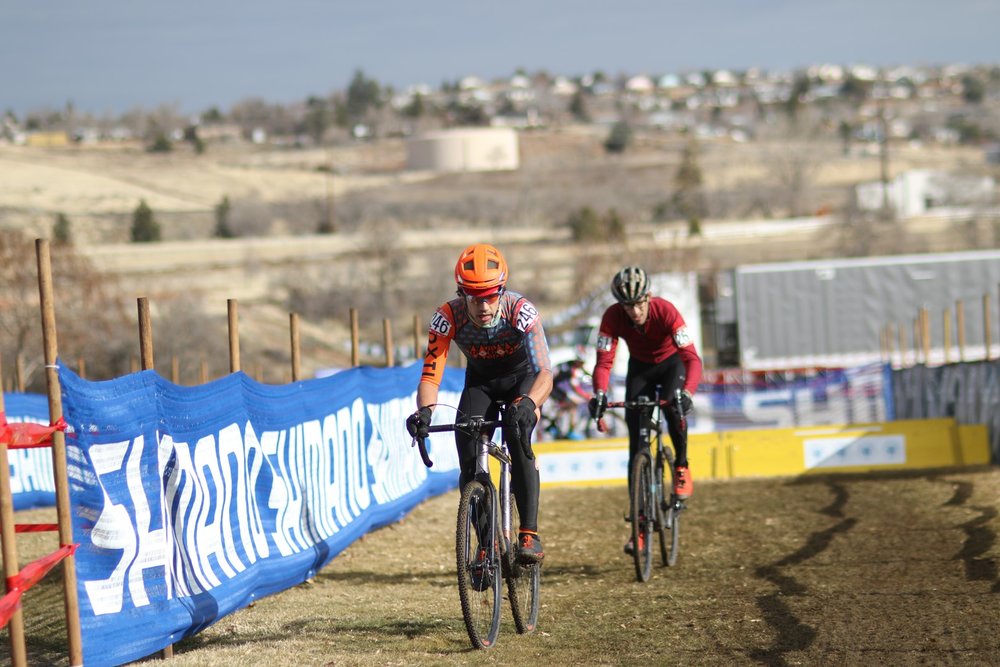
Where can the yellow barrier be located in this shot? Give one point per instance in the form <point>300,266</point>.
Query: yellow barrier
<point>906,444</point>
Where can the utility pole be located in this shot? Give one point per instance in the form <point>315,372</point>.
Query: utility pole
<point>331,225</point>
<point>883,124</point>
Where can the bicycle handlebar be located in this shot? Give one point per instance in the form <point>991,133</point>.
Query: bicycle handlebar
<point>471,425</point>
<point>645,403</point>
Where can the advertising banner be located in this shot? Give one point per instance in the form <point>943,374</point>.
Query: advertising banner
<point>191,502</point>
<point>31,480</point>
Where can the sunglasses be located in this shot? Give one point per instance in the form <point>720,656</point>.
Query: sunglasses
<point>489,299</point>
<point>636,304</point>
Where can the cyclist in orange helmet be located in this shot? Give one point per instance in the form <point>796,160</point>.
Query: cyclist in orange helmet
<point>661,352</point>
<point>500,333</point>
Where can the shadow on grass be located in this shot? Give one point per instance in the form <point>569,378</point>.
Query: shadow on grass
<point>793,634</point>
<point>345,633</point>
<point>436,578</point>
<point>878,475</point>
<point>979,537</point>
<point>556,573</point>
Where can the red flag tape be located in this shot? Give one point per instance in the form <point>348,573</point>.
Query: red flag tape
<point>28,577</point>
<point>25,435</point>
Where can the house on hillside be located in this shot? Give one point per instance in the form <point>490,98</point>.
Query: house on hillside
<point>919,191</point>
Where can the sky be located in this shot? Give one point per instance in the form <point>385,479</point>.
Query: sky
<point>110,56</point>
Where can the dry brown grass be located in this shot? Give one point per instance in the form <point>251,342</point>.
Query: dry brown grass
<point>894,569</point>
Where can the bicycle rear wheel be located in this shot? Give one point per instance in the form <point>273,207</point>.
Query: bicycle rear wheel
<point>478,559</point>
<point>669,517</point>
<point>643,509</point>
<point>523,580</point>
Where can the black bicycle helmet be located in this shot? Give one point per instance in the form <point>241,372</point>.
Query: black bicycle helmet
<point>630,284</point>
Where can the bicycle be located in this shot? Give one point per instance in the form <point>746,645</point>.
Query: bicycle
<point>649,508</point>
<point>485,542</point>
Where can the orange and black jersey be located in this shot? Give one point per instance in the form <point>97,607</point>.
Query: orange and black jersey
<point>514,343</point>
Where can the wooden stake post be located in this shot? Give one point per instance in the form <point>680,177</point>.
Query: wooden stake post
<point>416,337</point>
<point>387,341</point>
<point>947,335</point>
<point>146,359</point>
<point>902,346</point>
<point>987,334</point>
<point>71,600</point>
<point>925,335</point>
<point>355,351</point>
<point>293,327</point>
<point>960,324</point>
<point>15,626</point>
<point>234,336</point>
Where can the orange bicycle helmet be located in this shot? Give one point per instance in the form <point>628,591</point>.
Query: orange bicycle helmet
<point>481,270</point>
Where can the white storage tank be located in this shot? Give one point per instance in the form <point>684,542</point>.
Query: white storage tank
<point>464,149</point>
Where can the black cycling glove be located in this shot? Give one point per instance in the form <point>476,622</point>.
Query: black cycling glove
<point>520,417</point>
<point>418,423</point>
<point>686,403</point>
<point>598,404</point>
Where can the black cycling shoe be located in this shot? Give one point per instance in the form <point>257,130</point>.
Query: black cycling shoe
<point>529,547</point>
<point>630,546</point>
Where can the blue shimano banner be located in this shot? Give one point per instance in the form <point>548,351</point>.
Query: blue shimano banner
<point>191,502</point>
<point>31,481</point>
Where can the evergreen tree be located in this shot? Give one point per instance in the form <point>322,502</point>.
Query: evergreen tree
<point>578,107</point>
<point>362,94</point>
<point>796,98</point>
<point>222,228</point>
<point>585,224</point>
<point>161,144</point>
<point>325,226</point>
<point>191,136</point>
<point>416,108</point>
<point>619,138</point>
<point>614,225</point>
<point>60,230</point>
<point>145,228</point>
<point>689,200</point>
<point>317,119</point>
<point>973,89</point>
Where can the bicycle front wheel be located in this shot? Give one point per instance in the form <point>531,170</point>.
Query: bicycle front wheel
<point>478,559</point>
<point>523,580</point>
<point>643,509</point>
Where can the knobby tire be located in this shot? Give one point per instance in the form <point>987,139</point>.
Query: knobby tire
<point>480,608</point>
<point>643,509</point>
<point>669,516</point>
<point>523,580</point>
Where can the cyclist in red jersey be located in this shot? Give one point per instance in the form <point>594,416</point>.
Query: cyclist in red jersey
<point>500,333</point>
<point>661,352</point>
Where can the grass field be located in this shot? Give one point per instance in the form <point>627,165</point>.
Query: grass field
<point>893,569</point>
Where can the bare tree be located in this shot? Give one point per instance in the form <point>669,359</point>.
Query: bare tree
<point>90,316</point>
<point>794,163</point>
<point>182,329</point>
<point>389,259</point>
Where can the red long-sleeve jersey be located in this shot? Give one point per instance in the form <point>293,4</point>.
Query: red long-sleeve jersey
<point>663,335</point>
